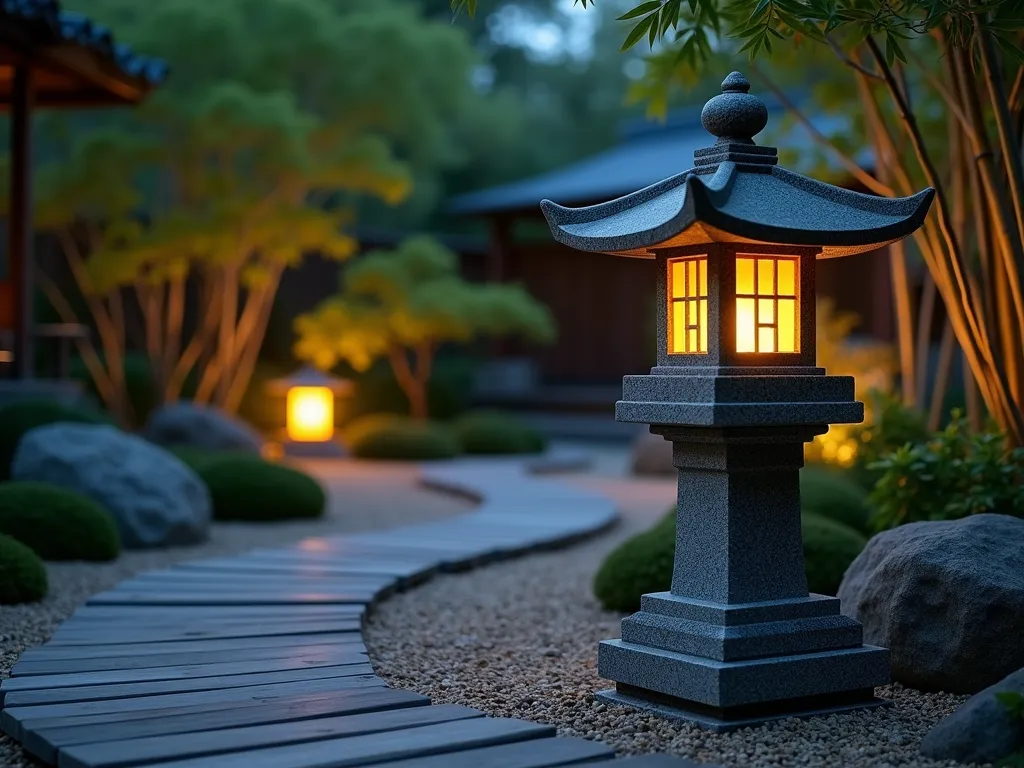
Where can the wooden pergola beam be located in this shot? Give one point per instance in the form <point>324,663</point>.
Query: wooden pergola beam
<point>19,224</point>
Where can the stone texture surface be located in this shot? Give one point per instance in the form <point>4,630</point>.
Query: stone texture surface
<point>652,455</point>
<point>947,599</point>
<point>154,498</point>
<point>982,730</point>
<point>201,426</point>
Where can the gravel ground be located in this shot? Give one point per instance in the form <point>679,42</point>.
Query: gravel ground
<point>361,497</point>
<point>519,639</point>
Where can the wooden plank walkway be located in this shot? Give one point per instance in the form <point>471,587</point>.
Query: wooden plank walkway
<point>258,660</point>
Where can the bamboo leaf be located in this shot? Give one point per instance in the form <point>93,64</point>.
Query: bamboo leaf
<point>637,32</point>
<point>640,10</point>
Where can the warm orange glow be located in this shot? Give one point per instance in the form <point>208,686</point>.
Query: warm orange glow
<point>688,306</point>
<point>767,304</point>
<point>310,414</point>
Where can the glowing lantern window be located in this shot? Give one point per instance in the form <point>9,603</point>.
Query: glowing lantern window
<point>688,306</point>
<point>767,304</point>
<point>310,414</point>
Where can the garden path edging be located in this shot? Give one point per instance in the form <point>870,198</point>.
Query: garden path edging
<point>259,659</point>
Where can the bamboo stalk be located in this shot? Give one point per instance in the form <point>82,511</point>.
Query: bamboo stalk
<point>945,363</point>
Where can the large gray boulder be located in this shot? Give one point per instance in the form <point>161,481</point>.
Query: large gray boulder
<point>946,598</point>
<point>155,499</point>
<point>200,426</point>
<point>982,730</point>
<point>652,455</point>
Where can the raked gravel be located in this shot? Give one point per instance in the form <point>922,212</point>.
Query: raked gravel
<point>360,497</point>
<point>519,639</point>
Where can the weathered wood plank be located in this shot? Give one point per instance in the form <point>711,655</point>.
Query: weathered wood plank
<point>114,698</point>
<point>222,633</point>
<point>365,750</point>
<point>43,737</point>
<point>200,622</point>
<point>536,753</point>
<point>272,598</point>
<point>300,567</point>
<point>70,666</point>
<point>128,612</point>
<point>117,754</point>
<point>70,651</point>
<point>330,658</point>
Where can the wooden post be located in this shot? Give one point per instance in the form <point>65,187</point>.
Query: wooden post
<point>19,223</point>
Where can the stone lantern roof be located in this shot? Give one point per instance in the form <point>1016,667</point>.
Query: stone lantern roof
<point>736,192</point>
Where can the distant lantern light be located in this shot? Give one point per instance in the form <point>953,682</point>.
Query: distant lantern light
<point>310,414</point>
<point>310,411</point>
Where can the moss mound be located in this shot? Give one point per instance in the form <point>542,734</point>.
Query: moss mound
<point>19,417</point>
<point>247,488</point>
<point>22,573</point>
<point>639,565</point>
<point>829,548</point>
<point>833,494</point>
<point>385,436</point>
<point>57,524</point>
<point>494,432</point>
<point>643,563</point>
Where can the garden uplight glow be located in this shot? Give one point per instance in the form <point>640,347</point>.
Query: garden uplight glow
<point>310,416</point>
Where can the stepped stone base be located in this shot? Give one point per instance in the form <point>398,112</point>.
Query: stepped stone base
<point>732,666</point>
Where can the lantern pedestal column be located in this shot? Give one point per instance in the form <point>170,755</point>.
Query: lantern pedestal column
<point>738,640</point>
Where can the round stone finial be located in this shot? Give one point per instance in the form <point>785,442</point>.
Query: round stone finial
<point>734,115</point>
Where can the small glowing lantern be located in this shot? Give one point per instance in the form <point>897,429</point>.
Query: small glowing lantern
<point>310,416</point>
<point>738,640</point>
<point>310,398</point>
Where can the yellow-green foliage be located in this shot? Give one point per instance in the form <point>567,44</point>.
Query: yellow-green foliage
<point>408,301</point>
<point>22,574</point>
<point>57,524</point>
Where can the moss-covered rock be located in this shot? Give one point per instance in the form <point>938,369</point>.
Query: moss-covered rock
<point>247,488</point>
<point>57,524</point>
<point>644,563</point>
<point>19,417</point>
<point>494,432</point>
<point>829,548</point>
<point>22,574</point>
<point>385,436</point>
<point>832,493</point>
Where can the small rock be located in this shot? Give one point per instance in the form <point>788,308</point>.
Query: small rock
<point>982,730</point>
<point>652,455</point>
<point>201,426</point>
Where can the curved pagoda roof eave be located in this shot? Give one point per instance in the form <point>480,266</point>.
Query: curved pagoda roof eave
<point>738,203</point>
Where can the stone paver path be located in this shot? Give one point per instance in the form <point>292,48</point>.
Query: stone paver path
<point>258,660</point>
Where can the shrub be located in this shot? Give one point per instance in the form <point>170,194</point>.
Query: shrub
<point>22,574</point>
<point>19,417</point>
<point>832,494</point>
<point>639,565</point>
<point>493,432</point>
<point>247,488</point>
<point>829,548</point>
<point>953,475</point>
<point>644,563</point>
<point>893,426</point>
<point>57,524</point>
<point>385,436</point>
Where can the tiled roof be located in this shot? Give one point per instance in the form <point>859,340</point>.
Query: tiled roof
<point>47,21</point>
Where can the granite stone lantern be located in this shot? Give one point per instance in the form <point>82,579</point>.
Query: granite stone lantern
<point>738,640</point>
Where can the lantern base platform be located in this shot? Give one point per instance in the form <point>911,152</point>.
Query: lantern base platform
<point>327,449</point>
<point>724,720</point>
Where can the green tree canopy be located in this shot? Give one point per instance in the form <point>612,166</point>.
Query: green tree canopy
<point>409,301</point>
